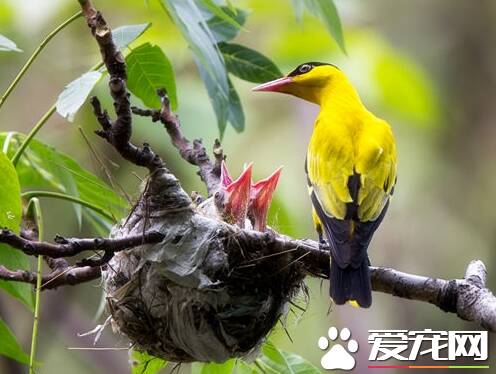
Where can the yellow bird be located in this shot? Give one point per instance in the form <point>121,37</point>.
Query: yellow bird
<point>351,168</point>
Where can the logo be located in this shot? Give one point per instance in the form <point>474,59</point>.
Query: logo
<point>405,345</point>
<point>338,357</point>
<point>439,345</point>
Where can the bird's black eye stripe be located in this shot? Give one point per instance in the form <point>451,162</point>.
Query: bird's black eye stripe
<point>306,67</point>
<point>301,69</point>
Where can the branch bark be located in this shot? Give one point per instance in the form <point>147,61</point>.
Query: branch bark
<point>68,247</point>
<point>62,273</point>
<point>117,133</point>
<point>467,297</point>
<point>194,153</point>
<point>69,276</point>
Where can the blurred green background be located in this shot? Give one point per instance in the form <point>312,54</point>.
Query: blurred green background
<point>426,67</point>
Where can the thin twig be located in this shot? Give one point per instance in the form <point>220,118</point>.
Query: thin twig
<point>35,54</point>
<point>192,152</point>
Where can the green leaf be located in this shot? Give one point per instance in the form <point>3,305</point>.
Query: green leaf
<point>148,69</point>
<point>189,19</point>
<point>143,363</point>
<point>10,217</point>
<point>326,11</point>
<point>248,64</point>
<point>275,360</point>
<point>243,368</point>
<point>43,167</point>
<point>224,31</point>
<point>125,35</point>
<point>221,12</point>
<point>8,45</point>
<point>74,95</point>
<point>212,368</point>
<point>226,111</point>
<point>10,193</point>
<point>235,114</point>
<point>9,346</point>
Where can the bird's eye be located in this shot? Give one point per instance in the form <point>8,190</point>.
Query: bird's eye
<point>305,68</point>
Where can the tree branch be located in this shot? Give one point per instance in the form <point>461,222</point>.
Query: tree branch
<point>468,297</point>
<point>194,153</point>
<point>68,247</point>
<point>70,276</point>
<point>63,274</point>
<point>117,133</point>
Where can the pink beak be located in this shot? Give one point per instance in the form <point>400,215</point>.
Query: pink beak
<point>261,197</point>
<point>225,178</point>
<point>237,195</point>
<point>274,86</point>
<point>242,180</point>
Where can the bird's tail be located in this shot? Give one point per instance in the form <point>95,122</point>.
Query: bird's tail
<point>351,284</point>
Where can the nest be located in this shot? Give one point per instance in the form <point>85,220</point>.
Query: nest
<point>201,294</point>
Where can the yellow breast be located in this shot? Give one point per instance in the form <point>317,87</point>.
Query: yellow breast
<point>351,141</point>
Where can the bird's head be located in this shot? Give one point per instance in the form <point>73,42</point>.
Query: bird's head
<point>260,198</point>
<point>308,81</point>
<point>233,197</point>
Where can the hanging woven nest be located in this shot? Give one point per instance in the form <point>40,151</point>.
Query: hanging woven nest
<point>203,293</point>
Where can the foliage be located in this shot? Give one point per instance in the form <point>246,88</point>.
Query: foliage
<point>191,22</point>
<point>76,93</point>
<point>148,70</point>
<point>326,11</point>
<point>8,45</point>
<point>248,64</point>
<point>9,346</point>
<point>207,27</point>
<point>224,31</point>
<point>44,167</point>
<point>125,35</point>
<point>10,216</point>
<point>213,368</point>
<point>275,360</point>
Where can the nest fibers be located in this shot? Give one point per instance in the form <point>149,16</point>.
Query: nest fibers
<point>199,295</point>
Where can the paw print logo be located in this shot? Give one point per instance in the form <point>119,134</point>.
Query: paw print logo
<point>338,357</point>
